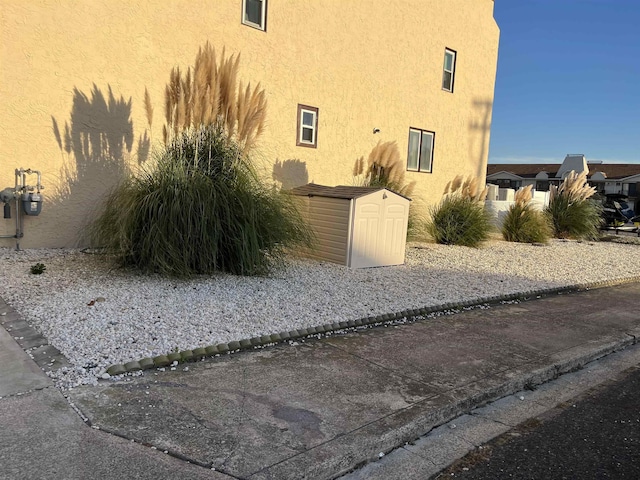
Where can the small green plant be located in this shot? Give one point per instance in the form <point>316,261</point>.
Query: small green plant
<point>460,218</point>
<point>572,212</point>
<point>523,222</point>
<point>38,268</point>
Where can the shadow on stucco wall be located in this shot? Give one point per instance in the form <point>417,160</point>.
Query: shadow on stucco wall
<point>96,145</point>
<point>479,130</point>
<point>290,173</point>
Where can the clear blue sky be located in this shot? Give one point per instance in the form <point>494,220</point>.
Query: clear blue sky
<point>568,81</point>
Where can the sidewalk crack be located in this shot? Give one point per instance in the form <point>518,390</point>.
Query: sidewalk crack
<point>26,392</point>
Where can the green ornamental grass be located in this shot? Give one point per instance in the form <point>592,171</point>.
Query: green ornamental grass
<point>459,220</point>
<point>523,222</point>
<point>578,219</point>
<point>572,211</point>
<point>201,209</point>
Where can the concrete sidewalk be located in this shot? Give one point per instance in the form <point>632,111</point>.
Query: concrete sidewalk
<point>310,410</point>
<point>42,437</point>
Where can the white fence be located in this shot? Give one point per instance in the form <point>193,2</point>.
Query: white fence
<point>500,199</point>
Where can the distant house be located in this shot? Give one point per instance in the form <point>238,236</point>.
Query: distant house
<point>620,178</point>
<point>339,77</point>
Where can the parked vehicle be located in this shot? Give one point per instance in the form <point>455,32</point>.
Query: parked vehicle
<point>616,211</point>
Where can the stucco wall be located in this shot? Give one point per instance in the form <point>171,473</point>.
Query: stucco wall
<point>83,67</point>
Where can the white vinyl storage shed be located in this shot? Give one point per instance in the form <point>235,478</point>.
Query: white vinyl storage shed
<point>356,226</point>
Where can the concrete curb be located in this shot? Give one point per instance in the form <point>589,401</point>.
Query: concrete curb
<point>34,344</point>
<point>443,447</point>
<point>344,454</point>
<point>410,315</point>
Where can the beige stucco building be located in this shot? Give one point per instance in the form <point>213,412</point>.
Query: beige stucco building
<point>73,76</point>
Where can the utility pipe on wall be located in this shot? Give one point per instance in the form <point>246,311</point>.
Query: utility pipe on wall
<point>20,195</point>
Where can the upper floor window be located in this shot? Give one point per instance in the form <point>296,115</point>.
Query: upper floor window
<point>449,70</point>
<point>254,13</point>
<point>307,126</point>
<point>420,156</point>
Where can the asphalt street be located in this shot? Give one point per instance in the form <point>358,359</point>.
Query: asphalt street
<point>594,436</point>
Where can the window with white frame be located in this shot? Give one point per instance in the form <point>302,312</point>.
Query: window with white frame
<point>307,126</point>
<point>254,13</point>
<point>449,69</point>
<point>420,155</point>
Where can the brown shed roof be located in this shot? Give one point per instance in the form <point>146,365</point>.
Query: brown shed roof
<point>341,191</point>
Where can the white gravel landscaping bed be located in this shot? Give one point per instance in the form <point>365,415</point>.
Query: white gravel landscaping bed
<point>98,317</point>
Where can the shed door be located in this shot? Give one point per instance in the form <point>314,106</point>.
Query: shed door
<point>379,230</point>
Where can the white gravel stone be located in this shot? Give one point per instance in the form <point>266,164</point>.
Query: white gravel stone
<point>98,316</point>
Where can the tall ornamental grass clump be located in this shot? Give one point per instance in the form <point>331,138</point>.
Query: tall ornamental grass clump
<point>383,168</point>
<point>571,210</point>
<point>460,218</point>
<point>523,222</point>
<point>201,208</point>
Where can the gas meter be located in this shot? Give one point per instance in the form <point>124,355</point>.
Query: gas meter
<point>32,203</point>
